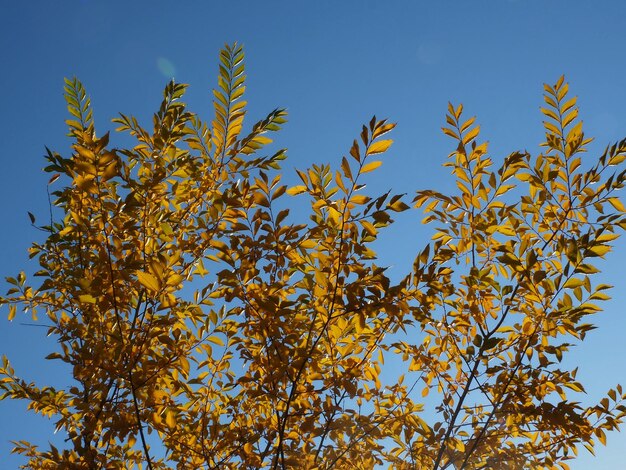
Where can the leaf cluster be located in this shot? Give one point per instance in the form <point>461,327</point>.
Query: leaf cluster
<point>192,306</point>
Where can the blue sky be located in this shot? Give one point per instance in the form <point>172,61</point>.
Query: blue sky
<point>332,64</point>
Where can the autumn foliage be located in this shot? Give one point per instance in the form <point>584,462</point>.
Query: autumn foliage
<point>206,326</point>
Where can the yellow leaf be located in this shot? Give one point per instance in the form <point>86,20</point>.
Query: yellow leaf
<point>167,229</point>
<point>84,182</point>
<point>308,244</point>
<point>148,281</point>
<point>551,128</point>
<point>506,230</point>
<point>550,113</point>
<point>109,171</point>
<point>333,215</point>
<point>459,445</point>
<point>379,147</point>
<point>471,135</point>
<point>200,269</point>
<point>321,278</point>
<point>607,237</point>
<point>174,279</point>
<point>371,166</point>
<point>570,117</point>
<point>359,199</point>
<point>449,132</point>
<point>573,282</point>
<point>467,124</point>
<point>12,311</point>
<point>600,250</point>
<point>170,419</point>
<point>617,204</point>
<point>86,299</point>
<point>382,130</point>
<point>216,340</point>
<point>369,227</point>
<point>296,190</point>
<point>398,206</point>
<point>527,327</point>
<point>575,132</point>
<point>360,322</point>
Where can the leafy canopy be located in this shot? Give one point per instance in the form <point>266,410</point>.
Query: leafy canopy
<point>207,327</point>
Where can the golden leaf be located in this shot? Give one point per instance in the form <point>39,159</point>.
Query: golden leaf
<point>86,299</point>
<point>573,282</point>
<point>371,166</point>
<point>359,199</point>
<point>617,204</point>
<point>369,227</point>
<point>170,419</point>
<point>12,311</point>
<point>295,190</point>
<point>471,135</point>
<point>379,146</point>
<point>148,281</point>
<point>216,340</point>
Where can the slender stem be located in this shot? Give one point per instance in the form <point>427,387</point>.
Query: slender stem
<point>138,417</point>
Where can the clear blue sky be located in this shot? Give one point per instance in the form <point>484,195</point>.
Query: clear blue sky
<point>333,64</point>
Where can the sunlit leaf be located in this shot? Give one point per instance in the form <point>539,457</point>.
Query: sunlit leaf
<point>371,166</point>
<point>379,146</point>
<point>148,281</point>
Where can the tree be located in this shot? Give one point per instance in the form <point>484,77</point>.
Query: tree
<point>207,327</point>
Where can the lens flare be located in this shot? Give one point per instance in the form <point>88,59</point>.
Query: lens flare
<point>166,67</point>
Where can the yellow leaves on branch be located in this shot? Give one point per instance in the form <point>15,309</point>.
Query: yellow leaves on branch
<point>193,306</point>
